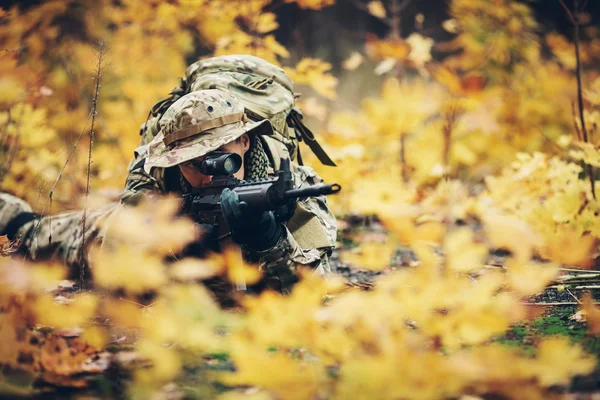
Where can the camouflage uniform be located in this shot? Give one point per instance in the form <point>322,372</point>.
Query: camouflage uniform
<point>266,93</point>
<point>57,237</point>
<point>310,233</point>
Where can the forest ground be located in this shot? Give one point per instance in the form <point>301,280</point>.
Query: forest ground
<point>557,314</point>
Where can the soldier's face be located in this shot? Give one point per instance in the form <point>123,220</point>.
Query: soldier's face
<point>197,179</point>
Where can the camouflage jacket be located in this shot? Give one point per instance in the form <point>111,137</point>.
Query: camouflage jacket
<point>309,237</point>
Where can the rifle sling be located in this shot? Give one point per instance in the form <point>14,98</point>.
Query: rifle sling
<point>309,138</point>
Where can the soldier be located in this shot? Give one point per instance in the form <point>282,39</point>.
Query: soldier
<point>193,126</point>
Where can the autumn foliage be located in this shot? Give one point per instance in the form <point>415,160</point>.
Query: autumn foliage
<point>479,150</point>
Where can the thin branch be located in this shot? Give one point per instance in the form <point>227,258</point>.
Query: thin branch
<point>404,4</point>
<point>573,296</point>
<point>273,6</point>
<point>579,73</point>
<point>403,162</point>
<point>58,178</point>
<point>590,168</point>
<point>564,303</point>
<point>584,5</point>
<point>575,121</point>
<point>395,12</point>
<point>569,14</point>
<point>587,271</point>
<point>450,121</point>
<point>574,18</point>
<point>101,55</point>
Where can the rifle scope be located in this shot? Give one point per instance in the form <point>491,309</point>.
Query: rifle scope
<point>218,163</point>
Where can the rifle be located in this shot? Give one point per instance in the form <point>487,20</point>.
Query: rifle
<point>203,203</point>
<point>204,206</point>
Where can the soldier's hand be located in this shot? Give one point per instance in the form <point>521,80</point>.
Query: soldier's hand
<point>255,229</point>
<point>206,243</point>
<point>285,211</point>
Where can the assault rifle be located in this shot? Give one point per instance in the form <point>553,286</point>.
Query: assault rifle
<point>203,204</point>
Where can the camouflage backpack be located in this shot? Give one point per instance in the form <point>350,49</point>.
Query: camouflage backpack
<point>266,93</point>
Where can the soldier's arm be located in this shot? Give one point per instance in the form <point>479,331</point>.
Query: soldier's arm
<point>58,237</point>
<point>140,183</point>
<point>309,237</point>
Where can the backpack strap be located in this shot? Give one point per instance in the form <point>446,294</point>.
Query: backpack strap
<point>295,120</point>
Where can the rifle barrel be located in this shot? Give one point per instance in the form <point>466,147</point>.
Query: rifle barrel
<point>315,190</point>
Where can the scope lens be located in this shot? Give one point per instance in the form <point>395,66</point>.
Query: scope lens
<point>229,165</point>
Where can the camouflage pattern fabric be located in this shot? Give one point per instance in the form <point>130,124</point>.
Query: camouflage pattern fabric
<point>264,90</point>
<point>313,236</point>
<point>57,237</point>
<point>310,234</point>
<point>201,120</point>
<point>261,87</point>
<point>10,207</point>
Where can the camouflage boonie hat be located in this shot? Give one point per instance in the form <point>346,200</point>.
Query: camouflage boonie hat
<point>198,123</point>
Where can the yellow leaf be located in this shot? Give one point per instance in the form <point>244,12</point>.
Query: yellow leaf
<point>254,395</point>
<point>151,226</point>
<point>463,254</point>
<point>312,107</point>
<point>592,93</point>
<point>420,49</point>
<point>11,90</point>
<point>72,315</point>
<point>562,49</point>
<point>591,312</point>
<point>123,313</point>
<point>315,73</point>
<point>397,49</point>
<point>568,247</point>
<point>529,279</point>
<point>165,363</point>
<point>312,4</point>
<point>353,62</point>
<point>127,268</point>
<point>95,337</point>
<point>238,271</point>
<point>266,23</point>
<point>559,361</point>
<point>509,232</point>
<point>385,66</point>
<point>288,378</point>
<point>273,45</point>
<point>377,9</point>
<point>371,255</point>
<point>431,232</point>
<point>450,25</point>
<point>190,269</point>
